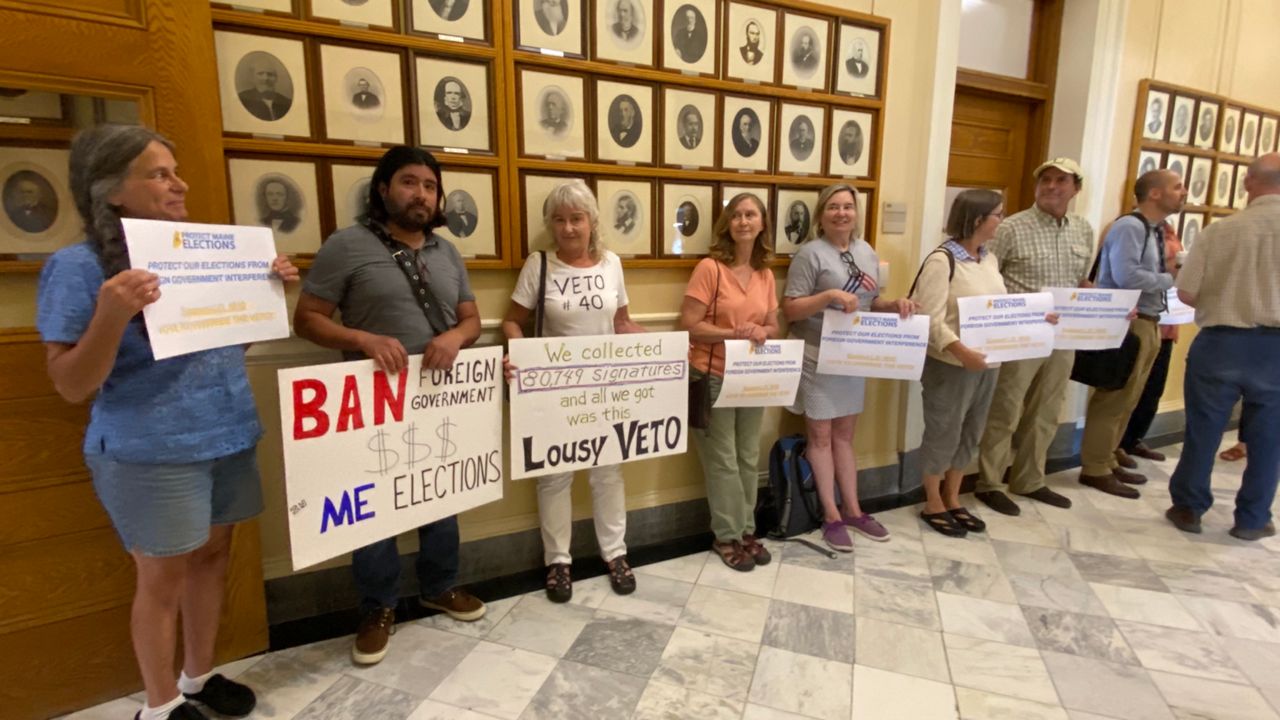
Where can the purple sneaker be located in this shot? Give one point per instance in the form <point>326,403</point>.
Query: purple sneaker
<point>868,526</point>
<point>836,537</point>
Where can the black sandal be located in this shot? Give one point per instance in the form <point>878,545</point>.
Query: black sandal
<point>968,520</point>
<point>621,577</point>
<point>559,583</point>
<point>944,523</point>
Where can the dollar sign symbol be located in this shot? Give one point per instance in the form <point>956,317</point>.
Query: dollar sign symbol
<point>447,448</point>
<point>412,446</point>
<point>387,458</point>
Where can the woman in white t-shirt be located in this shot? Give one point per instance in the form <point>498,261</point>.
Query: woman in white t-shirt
<point>585,295</point>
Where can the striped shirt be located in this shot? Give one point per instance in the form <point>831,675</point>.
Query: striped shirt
<point>1038,251</point>
<point>1232,268</point>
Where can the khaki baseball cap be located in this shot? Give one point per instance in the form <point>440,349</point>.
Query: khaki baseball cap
<point>1066,165</point>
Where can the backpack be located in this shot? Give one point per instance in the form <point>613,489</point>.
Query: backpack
<point>790,505</point>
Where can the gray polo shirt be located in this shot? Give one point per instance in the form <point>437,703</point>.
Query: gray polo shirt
<point>355,271</point>
<point>1131,261</point>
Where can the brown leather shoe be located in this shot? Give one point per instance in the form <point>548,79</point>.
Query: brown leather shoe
<point>1147,453</point>
<point>1251,534</point>
<point>1183,519</point>
<point>373,636</point>
<point>1110,485</point>
<point>1125,461</point>
<point>457,603</point>
<point>1125,476</point>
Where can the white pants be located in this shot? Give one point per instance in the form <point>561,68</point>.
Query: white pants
<point>608,506</point>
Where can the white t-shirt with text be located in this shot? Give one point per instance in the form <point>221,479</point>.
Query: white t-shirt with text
<point>579,301</point>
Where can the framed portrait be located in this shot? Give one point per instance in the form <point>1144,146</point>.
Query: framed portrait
<point>554,25</point>
<point>1230,139</point>
<point>626,215</point>
<point>1267,136</point>
<point>363,95</point>
<point>470,211</point>
<point>350,188</point>
<point>1240,197</point>
<point>1148,160</point>
<point>1155,116</point>
<point>278,194</point>
<point>31,104</point>
<point>687,219</point>
<point>1198,184</point>
<point>750,42</point>
<point>39,213</point>
<point>534,191</point>
<point>794,222</point>
<point>453,19</point>
<point>262,82</point>
<point>805,53</point>
<point>1206,125</point>
<point>1177,163</point>
<point>453,104</point>
<point>1189,231</point>
<point>1224,173</point>
<point>1184,109</point>
<point>370,13</point>
<point>623,31</point>
<point>858,61</point>
<point>852,136</point>
<point>624,122</point>
<point>552,117</point>
<point>689,128</point>
<point>280,6</point>
<point>689,36</point>
<point>747,131</point>
<point>1249,135</point>
<point>802,135</point>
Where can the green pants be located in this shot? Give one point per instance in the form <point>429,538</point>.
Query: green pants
<point>729,450</point>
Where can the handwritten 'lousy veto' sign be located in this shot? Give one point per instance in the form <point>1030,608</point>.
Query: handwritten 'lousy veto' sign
<point>368,455</point>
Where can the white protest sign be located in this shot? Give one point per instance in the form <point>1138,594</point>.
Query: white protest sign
<point>579,402</point>
<point>879,345</point>
<point>1007,327</point>
<point>760,376</point>
<point>216,287</point>
<point>1179,313</point>
<point>1091,319</point>
<point>368,456</point>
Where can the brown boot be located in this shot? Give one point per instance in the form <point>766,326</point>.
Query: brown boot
<point>1109,484</point>
<point>373,636</point>
<point>457,604</point>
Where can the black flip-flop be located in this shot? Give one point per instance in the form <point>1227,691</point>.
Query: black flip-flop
<point>944,523</point>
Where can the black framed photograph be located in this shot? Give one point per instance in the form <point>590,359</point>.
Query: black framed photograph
<point>1148,160</point>
<point>1240,197</point>
<point>1177,163</point>
<point>533,197</point>
<point>554,25</point>
<point>1155,115</point>
<point>262,83</point>
<point>553,114</point>
<point>1184,109</point>
<point>687,219</point>
<point>805,52</point>
<point>30,104</point>
<point>1189,232</point>
<point>1206,125</point>
<point>747,131</point>
<point>363,95</point>
<point>624,122</point>
<point>802,136</point>
<point>689,128</point>
<point>626,215</point>
<point>453,104</point>
<point>852,135</point>
<point>366,13</point>
<point>1198,185</point>
<point>39,213</point>
<point>1230,139</point>
<point>689,36</point>
<point>1224,173</point>
<point>858,61</point>
<point>470,211</point>
<point>452,19</point>
<point>750,42</point>
<point>1249,134</point>
<point>623,31</point>
<point>1267,136</point>
<point>794,222</point>
<point>350,192</point>
<point>280,195</point>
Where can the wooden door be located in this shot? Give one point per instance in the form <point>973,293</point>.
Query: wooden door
<point>989,140</point>
<point>67,584</point>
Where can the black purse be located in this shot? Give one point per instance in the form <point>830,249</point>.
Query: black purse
<point>700,388</point>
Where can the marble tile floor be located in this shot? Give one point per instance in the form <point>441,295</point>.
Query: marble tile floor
<point>1095,613</point>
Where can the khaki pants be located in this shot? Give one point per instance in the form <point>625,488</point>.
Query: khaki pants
<point>729,450</point>
<point>1022,422</point>
<point>1109,410</point>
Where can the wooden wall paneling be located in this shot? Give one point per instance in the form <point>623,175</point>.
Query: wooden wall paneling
<point>40,587</point>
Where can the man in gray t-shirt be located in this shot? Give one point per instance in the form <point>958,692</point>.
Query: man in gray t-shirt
<point>374,275</point>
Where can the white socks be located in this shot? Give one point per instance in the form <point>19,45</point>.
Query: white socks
<point>162,712</point>
<point>190,685</point>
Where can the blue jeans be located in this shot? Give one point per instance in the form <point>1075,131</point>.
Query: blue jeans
<point>1224,365</point>
<point>376,567</point>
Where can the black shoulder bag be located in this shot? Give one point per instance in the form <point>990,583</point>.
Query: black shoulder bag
<point>417,280</point>
<point>700,389</point>
<point>1110,369</point>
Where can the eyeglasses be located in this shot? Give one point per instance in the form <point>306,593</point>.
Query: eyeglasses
<point>855,272</point>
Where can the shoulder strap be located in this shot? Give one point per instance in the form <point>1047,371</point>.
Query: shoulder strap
<point>417,282</point>
<point>951,261</point>
<point>542,294</point>
<point>715,302</point>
